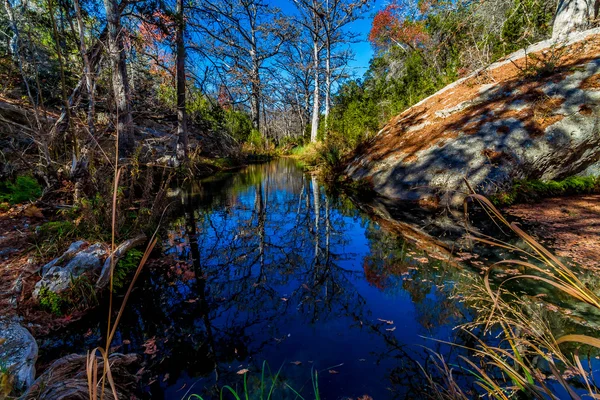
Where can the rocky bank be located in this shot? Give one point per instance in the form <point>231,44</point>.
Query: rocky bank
<point>532,115</point>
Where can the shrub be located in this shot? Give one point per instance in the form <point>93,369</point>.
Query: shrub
<point>256,139</point>
<point>524,191</point>
<point>126,265</point>
<point>25,188</point>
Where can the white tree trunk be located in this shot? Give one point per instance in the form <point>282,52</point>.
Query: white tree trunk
<point>316,106</point>
<point>572,16</point>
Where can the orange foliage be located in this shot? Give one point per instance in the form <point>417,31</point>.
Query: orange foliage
<point>155,34</point>
<point>391,27</point>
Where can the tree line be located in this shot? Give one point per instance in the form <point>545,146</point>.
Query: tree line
<point>245,66</point>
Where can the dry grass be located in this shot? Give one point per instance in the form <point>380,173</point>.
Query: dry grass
<point>525,355</point>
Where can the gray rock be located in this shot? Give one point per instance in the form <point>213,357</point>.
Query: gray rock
<point>572,16</point>
<point>67,255</point>
<point>168,161</point>
<point>18,353</point>
<point>58,274</point>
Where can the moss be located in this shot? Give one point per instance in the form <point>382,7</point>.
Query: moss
<point>51,302</point>
<point>6,382</point>
<point>527,191</point>
<point>80,295</point>
<point>23,189</point>
<point>56,229</point>
<point>126,265</point>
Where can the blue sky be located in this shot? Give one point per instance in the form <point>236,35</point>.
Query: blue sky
<point>362,49</point>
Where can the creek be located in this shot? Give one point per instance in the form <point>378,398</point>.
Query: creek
<point>272,268</point>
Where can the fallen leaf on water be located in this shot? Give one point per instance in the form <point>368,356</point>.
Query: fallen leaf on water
<point>333,371</point>
<point>2,341</point>
<point>150,346</point>
<point>243,371</point>
<point>284,299</point>
<point>391,329</point>
<point>296,362</point>
<point>386,321</point>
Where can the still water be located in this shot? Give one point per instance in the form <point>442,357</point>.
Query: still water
<point>267,267</point>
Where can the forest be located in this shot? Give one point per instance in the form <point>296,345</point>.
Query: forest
<point>299,199</point>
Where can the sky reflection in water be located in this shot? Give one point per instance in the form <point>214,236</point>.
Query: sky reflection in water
<point>291,276</point>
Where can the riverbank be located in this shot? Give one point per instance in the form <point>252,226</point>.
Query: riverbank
<point>570,225</point>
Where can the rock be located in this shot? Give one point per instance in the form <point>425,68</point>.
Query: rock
<point>592,170</point>
<point>75,262</point>
<point>18,354</point>
<point>542,127</point>
<point>168,161</point>
<point>574,15</point>
<point>120,251</point>
<point>69,254</point>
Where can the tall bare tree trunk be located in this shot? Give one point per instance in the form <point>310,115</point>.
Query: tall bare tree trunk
<point>15,48</point>
<point>182,137</point>
<point>87,69</point>
<point>63,82</point>
<point>314,129</point>
<point>327,83</point>
<point>120,81</point>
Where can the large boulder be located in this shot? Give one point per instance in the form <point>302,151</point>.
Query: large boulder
<point>573,16</point>
<point>533,116</point>
<point>18,354</point>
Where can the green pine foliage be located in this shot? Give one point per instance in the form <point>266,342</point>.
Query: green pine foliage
<point>24,188</point>
<point>460,41</point>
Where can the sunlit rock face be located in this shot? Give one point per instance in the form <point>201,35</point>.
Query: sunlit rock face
<point>533,116</point>
<point>573,16</point>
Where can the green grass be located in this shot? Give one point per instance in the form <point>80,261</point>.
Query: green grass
<point>25,188</point>
<point>527,191</point>
<point>269,387</point>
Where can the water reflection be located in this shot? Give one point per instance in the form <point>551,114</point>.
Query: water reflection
<point>269,267</point>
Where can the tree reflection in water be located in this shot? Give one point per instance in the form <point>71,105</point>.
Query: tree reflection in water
<point>272,268</point>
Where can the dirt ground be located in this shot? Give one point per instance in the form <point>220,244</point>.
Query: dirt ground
<point>17,260</point>
<point>570,224</point>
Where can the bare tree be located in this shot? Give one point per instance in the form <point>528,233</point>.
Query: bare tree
<point>311,18</point>
<point>337,15</point>
<point>88,73</point>
<point>182,138</point>
<point>242,35</point>
<point>120,81</point>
